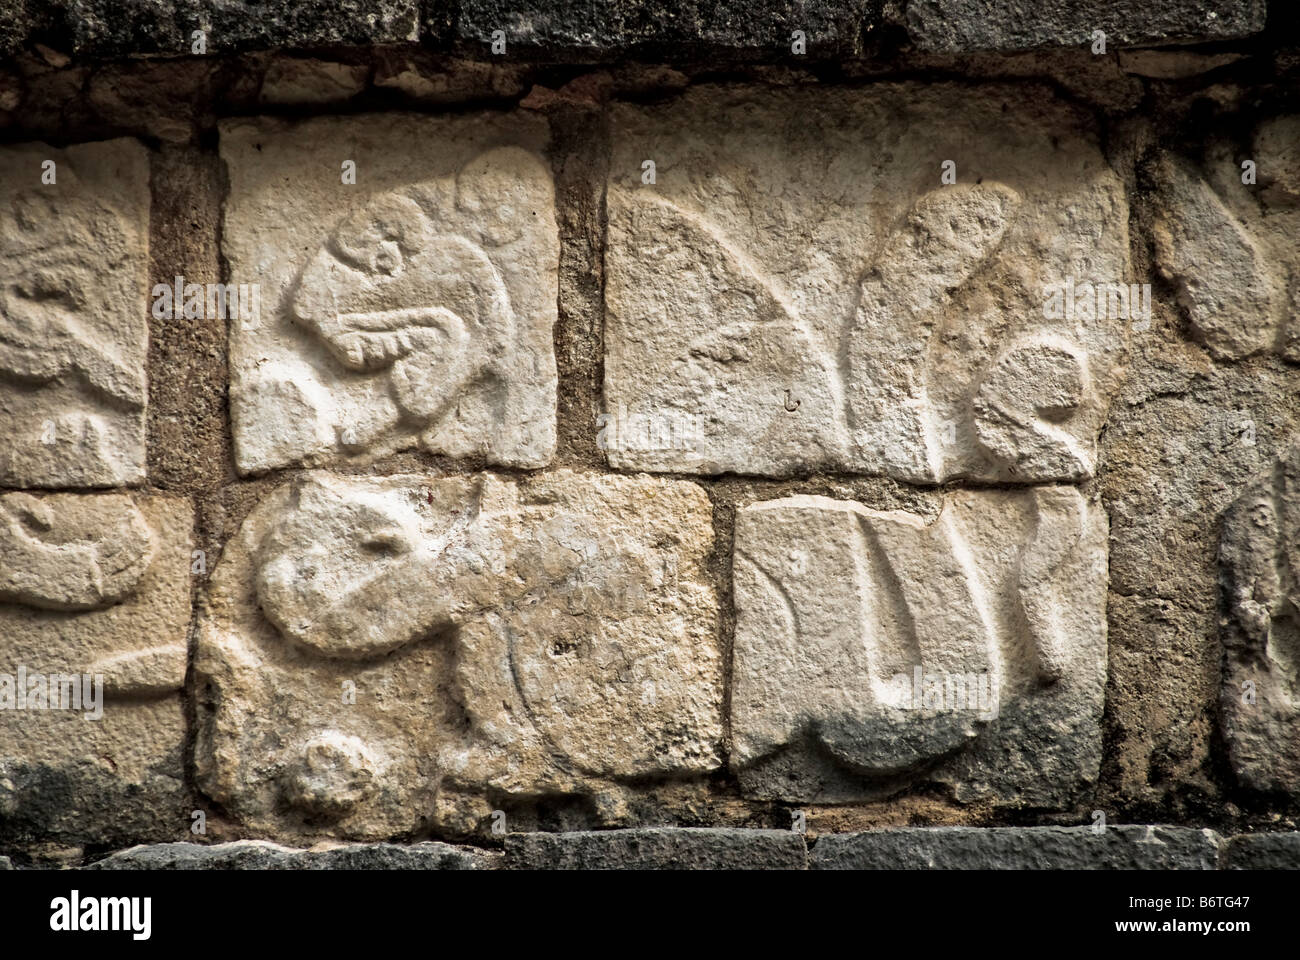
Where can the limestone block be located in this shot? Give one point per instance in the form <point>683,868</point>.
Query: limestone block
<point>1260,556</point>
<point>1263,851</point>
<point>376,653</point>
<point>879,650</point>
<point>261,855</point>
<point>412,308</point>
<point>94,588</point>
<point>798,285</point>
<point>1229,247</point>
<point>74,261</point>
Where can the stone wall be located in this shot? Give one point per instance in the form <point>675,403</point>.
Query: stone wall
<point>494,424</point>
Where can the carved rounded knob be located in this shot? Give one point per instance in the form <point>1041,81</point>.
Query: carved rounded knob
<point>332,774</point>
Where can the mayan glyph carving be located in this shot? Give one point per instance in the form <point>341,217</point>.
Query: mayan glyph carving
<point>73,332</point>
<point>378,656</point>
<point>815,295</point>
<point>44,565</point>
<point>94,619</point>
<point>875,651</point>
<point>1260,554</point>
<point>412,308</point>
<point>1229,247</point>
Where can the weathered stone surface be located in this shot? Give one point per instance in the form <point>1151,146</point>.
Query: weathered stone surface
<point>1262,851</point>
<point>96,586</point>
<point>1260,554</point>
<point>928,335</point>
<point>73,322</point>
<point>1172,64</point>
<point>379,655</point>
<point>1186,437</point>
<point>878,650</point>
<point>152,96</point>
<point>262,855</point>
<point>307,81</point>
<point>1277,142</point>
<point>968,25</point>
<point>1124,847</point>
<point>414,307</point>
<point>418,75</point>
<point>1230,247</point>
<point>658,848</point>
<point>576,29</point>
<point>105,28</point>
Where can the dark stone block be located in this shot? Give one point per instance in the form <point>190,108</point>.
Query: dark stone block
<point>119,28</point>
<point>657,849</point>
<point>1263,851</point>
<point>672,30</point>
<point>960,26</point>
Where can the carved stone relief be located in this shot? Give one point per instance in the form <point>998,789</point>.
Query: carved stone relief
<point>879,650</point>
<point>413,307</point>
<point>94,618</point>
<point>1260,553</point>
<point>820,300</point>
<point>381,656</point>
<point>74,255</point>
<point>1229,247</point>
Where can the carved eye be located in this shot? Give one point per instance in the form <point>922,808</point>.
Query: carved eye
<point>385,543</point>
<point>388,258</point>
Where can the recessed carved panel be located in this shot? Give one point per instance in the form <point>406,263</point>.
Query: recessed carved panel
<point>73,324</point>
<point>792,271</point>
<point>876,651</point>
<point>379,656</point>
<point>413,307</point>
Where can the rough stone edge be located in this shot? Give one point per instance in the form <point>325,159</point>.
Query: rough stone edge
<point>573,32</point>
<point>730,848</point>
<point>265,855</point>
<point>1125,847</point>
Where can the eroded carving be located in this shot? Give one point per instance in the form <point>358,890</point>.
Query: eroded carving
<point>1229,247</point>
<point>430,643</point>
<point>96,587</point>
<point>877,650</point>
<point>946,236</point>
<point>1260,553</point>
<point>912,325</point>
<point>72,339</point>
<point>57,564</point>
<point>423,315</point>
<point>1022,409</point>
